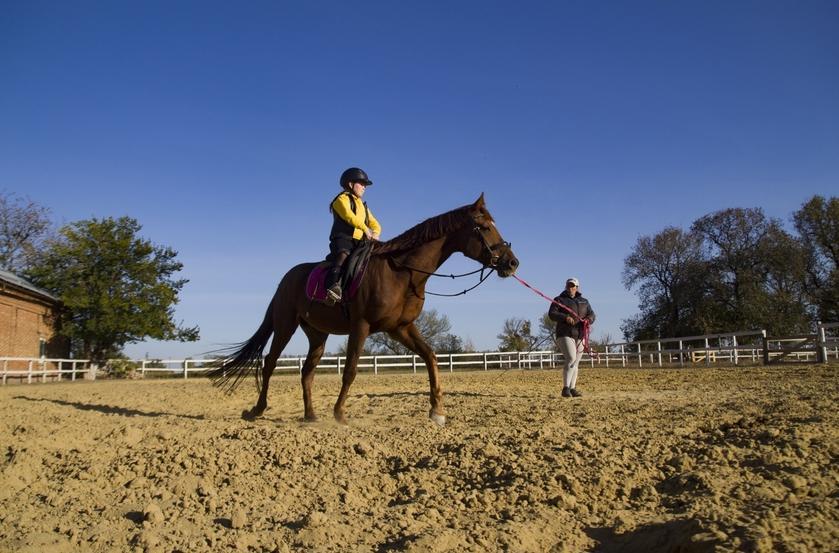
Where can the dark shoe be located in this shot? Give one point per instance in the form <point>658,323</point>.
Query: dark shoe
<point>575,392</point>
<point>333,294</point>
<point>566,392</point>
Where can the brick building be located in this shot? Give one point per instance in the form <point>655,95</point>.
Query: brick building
<point>27,319</point>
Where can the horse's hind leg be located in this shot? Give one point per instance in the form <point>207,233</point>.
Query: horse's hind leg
<point>411,338</point>
<point>282,335</point>
<point>317,342</point>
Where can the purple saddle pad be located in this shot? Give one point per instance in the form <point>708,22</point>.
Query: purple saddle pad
<point>316,287</point>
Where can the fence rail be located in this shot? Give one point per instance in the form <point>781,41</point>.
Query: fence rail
<point>735,348</point>
<point>31,368</point>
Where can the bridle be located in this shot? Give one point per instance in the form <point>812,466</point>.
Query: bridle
<point>492,265</point>
<point>493,257</point>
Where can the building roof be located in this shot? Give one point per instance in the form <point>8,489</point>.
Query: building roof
<point>13,279</point>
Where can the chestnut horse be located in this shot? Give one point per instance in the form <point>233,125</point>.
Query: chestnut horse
<point>389,299</point>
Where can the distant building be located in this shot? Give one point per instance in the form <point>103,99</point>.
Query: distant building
<point>28,317</point>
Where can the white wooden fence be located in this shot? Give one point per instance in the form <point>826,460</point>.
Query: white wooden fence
<point>40,368</point>
<point>729,348</point>
<point>373,363</point>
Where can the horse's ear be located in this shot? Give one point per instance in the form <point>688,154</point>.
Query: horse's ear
<point>479,203</point>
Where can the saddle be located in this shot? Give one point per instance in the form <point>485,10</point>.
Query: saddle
<point>352,272</point>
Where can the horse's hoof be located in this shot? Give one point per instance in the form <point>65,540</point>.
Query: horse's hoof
<point>340,419</point>
<point>310,418</point>
<point>439,420</point>
<point>250,415</point>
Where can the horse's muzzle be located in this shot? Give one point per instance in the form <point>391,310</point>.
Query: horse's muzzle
<point>507,265</point>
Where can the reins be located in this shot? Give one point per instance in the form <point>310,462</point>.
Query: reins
<point>491,266</point>
<point>480,280</point>
<point>586,324</point>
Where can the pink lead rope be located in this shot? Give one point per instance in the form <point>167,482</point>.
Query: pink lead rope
<point>586,324</point>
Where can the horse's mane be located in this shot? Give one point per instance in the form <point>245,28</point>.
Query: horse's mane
<point>430,229</point>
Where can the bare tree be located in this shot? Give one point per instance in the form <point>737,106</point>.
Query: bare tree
<point>517,336</point>
<point>433,326</point>
<point>24,228</point>
<point>666,269</point>
<point>547,333</point>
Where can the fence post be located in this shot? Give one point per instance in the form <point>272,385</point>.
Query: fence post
<point>821,356</point>
<point>707,353</point>
<point>414,363</point>
<point>658,348</point>
<point>375,364</point>
<point>765,342</point>
<point>681,354</point>
<point>640,364</point>
<point>186,368</point>
<point>299,365</point>
<point>486,365</point>
<point>734,342</point>
<point>338,364</point>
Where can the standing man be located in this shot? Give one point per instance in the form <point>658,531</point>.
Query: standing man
<point>572,316</point>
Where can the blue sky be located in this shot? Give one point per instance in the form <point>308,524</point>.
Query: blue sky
<point>222,127</point>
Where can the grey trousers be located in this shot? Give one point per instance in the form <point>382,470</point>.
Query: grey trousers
<point>572,351</point>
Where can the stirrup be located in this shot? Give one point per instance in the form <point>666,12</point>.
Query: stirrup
<point>333,295</point>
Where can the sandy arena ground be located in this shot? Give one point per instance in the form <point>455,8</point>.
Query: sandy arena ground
<point>690,460</point>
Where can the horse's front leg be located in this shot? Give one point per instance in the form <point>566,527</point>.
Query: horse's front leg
<point>355,345</point>
<point>411,338</point>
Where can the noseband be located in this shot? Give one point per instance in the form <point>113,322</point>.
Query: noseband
<point>493,257</point>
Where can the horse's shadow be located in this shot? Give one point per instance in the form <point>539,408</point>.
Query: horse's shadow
<point>109,409</point>
<point>408,394</point>
<point>671,535</point>
<point>447,394</point>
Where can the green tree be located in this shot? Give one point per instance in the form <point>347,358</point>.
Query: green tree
<point>24,226</point>
<point>737,242</point>
<point>786,309</point>
<point>817,223</point>
<point>116,287</point>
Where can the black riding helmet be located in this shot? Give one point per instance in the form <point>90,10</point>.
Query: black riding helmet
<point>354,174</point>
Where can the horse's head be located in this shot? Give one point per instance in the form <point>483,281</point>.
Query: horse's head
<point>484,243</point>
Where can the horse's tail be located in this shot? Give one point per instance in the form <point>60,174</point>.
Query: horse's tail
<point>236,362</point>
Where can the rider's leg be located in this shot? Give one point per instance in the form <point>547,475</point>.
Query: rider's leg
<point>333,283</point>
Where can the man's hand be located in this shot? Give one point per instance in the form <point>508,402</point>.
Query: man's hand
<point>368,233</point>
<point>569,319</point>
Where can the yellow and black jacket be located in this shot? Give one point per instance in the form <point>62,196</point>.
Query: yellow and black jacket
<point>351,218</point>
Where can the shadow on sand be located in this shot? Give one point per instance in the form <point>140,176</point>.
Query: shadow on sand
<point>109,409</point>
<point>680,535</point>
